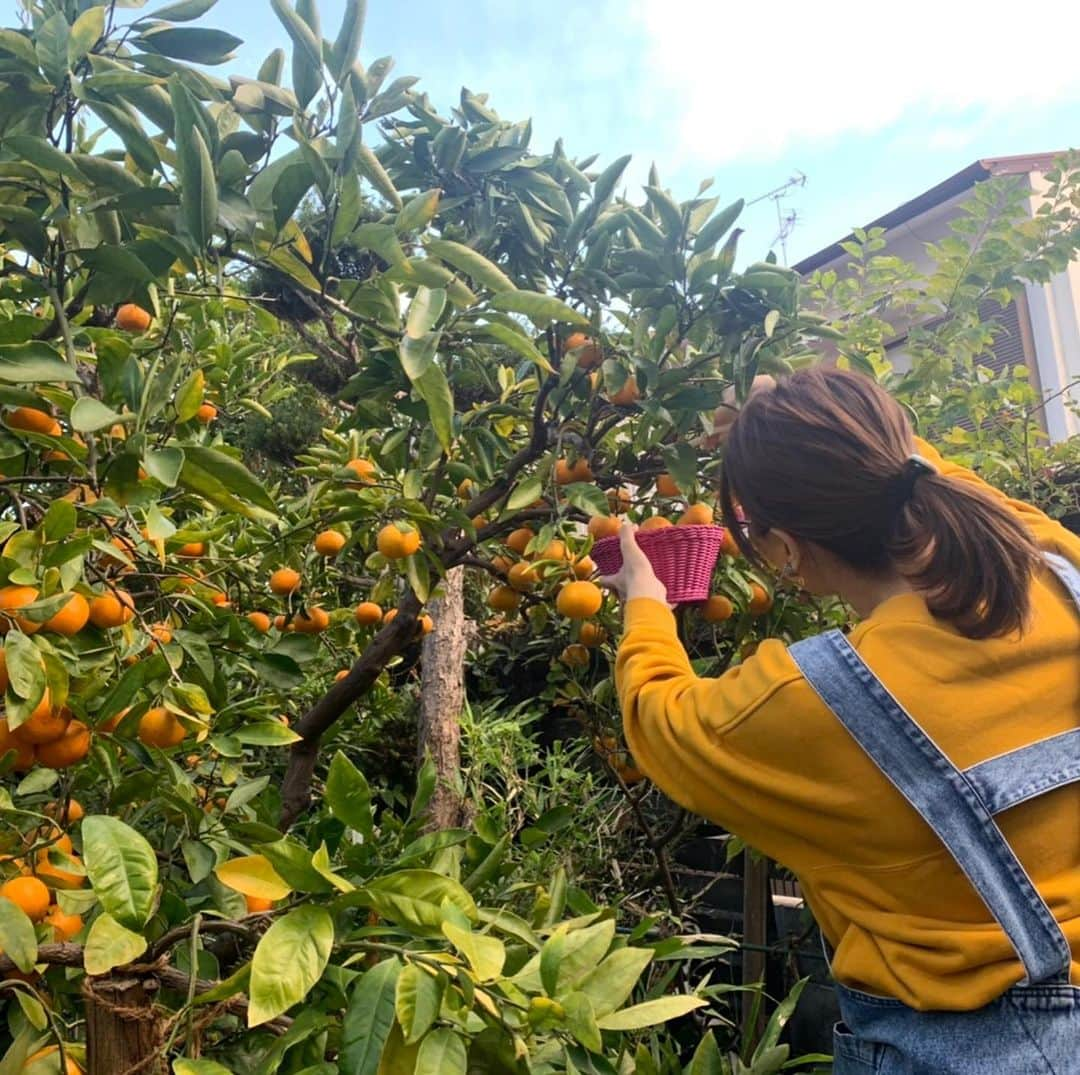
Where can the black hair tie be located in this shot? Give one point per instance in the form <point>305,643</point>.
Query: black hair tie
<point>903,485</point>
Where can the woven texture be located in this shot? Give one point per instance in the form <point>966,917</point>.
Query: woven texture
<point>683,558</point>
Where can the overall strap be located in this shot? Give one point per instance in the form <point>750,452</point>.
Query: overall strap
<point>1067,572</point>
<point>942,795</point>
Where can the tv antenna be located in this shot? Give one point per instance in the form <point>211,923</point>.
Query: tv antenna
<point>786,218</point>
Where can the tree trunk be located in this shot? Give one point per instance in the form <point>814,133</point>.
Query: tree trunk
<point>123,1029</point>
<point>757,902</point>
<point>442,697</point>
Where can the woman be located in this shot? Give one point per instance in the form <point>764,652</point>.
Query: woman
<point>919,774</point>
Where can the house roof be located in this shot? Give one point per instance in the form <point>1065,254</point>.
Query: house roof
<point>949,188</point>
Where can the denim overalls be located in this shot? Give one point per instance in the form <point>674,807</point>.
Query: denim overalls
<point>1034,1028</point>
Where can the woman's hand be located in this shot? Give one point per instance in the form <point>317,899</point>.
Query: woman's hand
<point>636,577</point>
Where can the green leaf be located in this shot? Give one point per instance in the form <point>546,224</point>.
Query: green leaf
<point>199,1067</point>
<point>349,796</point>
<point>20,46</point>
<point>424,311</point>
<point>419,211</point>
<point>486,954</point>
<point>581,1021</point>
<point>43,155</point>
<point>198,197</point>
<point>526,493</point>
<point>51,46</point>
<point>307,67</point>
<point>31,363</point>
<point>368,1019</point>
<point>605,183</point>
<point>417,1001</point>
<point>468,261</point>
<point>17,939</point>
<point>298,30</point>
<point>85,32</point>
<point>516,342</point>
<point>122,868</point>
<point>650,1013</point>
<point>25,669</point>
<point>266,733</point>
<point>434,389</point>
<point>59,521</point>
<point>414,898</point>
<point>346,45</point>
<point>372,170</point>
<point>707,1059</point>
<point>289,959</point>
<point>718,227</point>
<point>199,860</point>
<point>190,395</point>
<point>34,1011</point>
<point>164,465</point>
<point>253,875</point>
<point>109,945</point>
<point>196,44</point>
<point>89,415</point>
<point>225,482</point>
<point>610,984</point>
<point>183,10</point>
<point>542,310</point>
<point>442,1052</point>
<point>779,1019</point>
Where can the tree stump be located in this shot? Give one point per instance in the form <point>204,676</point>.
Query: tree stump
<point>123,1027</point>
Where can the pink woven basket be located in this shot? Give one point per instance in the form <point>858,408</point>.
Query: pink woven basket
<point>683,558</point>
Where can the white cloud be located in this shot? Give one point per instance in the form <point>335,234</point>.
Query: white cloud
<point>749,80</point>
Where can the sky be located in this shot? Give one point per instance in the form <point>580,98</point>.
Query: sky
<point>872,102</point>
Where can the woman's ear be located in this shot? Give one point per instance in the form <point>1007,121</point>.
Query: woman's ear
<point>792,551</point>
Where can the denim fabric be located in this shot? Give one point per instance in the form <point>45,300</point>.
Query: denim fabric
<point>1033,1028</point>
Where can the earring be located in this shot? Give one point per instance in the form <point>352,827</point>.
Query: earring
<point>792,576</point>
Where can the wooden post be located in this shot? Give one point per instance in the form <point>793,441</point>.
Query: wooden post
<point>755,932</point>
<point>123,1029</point>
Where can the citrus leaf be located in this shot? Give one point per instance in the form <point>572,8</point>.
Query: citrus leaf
<point>347,43</point>
<point>199,1067</point>
<point>195,43</point>
<point>183,10</point>
<point>486,955</point>
<point>289,959</point>
<point>164,465</point>
<point>17,940</point>
<point>349,796</point>
<point>517,342</point>
<point>109,945</point>
<point>122,868</point>
<point>84,34</point>
<point>417,1001</point>
<point>265,733</point>
<point>89,415</point>
<point>415,898</point>
<point>225,482</point>
<point>718,227</point>
<point>369,1017</point>
<point>466,260</point>
<point>611,983</point>
<point>371,169</point>
<point>651,1013</point>
<point>442,1052</point>
<point>30,363</point>
<point>540,309</point>
<point>253,875</point>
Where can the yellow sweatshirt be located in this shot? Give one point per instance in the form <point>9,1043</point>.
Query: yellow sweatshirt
<point>757,752</point>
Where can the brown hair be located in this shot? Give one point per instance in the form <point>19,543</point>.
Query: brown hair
<point>825,455</point>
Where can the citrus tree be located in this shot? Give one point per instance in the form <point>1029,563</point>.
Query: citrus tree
<point>506,354</point>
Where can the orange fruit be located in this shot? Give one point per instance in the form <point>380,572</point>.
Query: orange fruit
<point>260,621</point>
<point>126,547</point>
<point>629,393</point>
<point>15,597</point>
<point>618,501</point>
<point>655,522</point>
<point>29,895</point>
<point>502,564</point>
<point>285,581</point>
<point>698,514</point>
<point>519,540</point>
<point>522,576</point>
<point>4,678</point>
<point>504,599</point>
<point>161,634</point>
<point>311,621</point>
<point>579,600</point>
<point>579,471</point>
<point>426,625</point>
<point>390,615</point>
<point>192,548</point>
<point>728,545</point>
<point>592,634</point>
<point>24,752</point>
<point>132,318</point>
<point>367,614</point>
<point>339,676</point>
<point>71,618</point>
<point>329,542</point>
<point>554,550</point>
<point>61,843</point>
<point>256,904</point>
<point>667,486</point>
<point>465,488</point>
<point>590,354</point>
<point>31,420</point>
<point>160,728</point>
<point>45,723</point>
<point>64,926</point>
<point>717,609</point>
<point>280,622</point>
<point>364,469</point>
<point>395,543</point>
<point>206,413</point>
<point>575,655</point>
<point>760,601</point>
<point>584,567</point>
<point>70,748</point>
<point>74,812</point>
<point>71,1068</point>
<point>110,724</point>
<point>112,609</point>
<point>602,526</point>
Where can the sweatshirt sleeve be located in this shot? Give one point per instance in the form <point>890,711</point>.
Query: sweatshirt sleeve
<point>1049,534</point>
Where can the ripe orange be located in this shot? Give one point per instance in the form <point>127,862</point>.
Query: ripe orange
<point>285,581</point>
<point>575,655</point>
<point>31,420</point>
<point>74,812</point>
<point>717,609</point>
<point>62,842</point>
<point>427,625</point>
<point>729,546</point>
<point>206,413</point>
<point>584,567</point>
<point>390,615</point>
<point>311,621</point>
<point>71,1068</point>
<point>192,548</point>
<point>329,542</point>
<point>519,540</point>
<point>698,514</point>
<point>110,724</point>
<point>629,393</point>
<point>24,752</point>
<point>132,318</point>
<point>364,469</point>
<point>160,728</point>
<point>465,488</point>
<point>579,600</point>
<point>64,926</point>
<point>45,723</point>
<point>71,618</point>
<point>522,576</point>
<point>15,597</point>
<point>760,601</point>
<point>70,748</point>
<point>667,486</point>
<point>260,621</point>
<point>367,614</point>
<point>502,564</point>
<point>161,634</point>
<point>57,876</point>
<point>257,904</point>
<point>590,354</point>
<point>579,471</point>
<point>112,609</point>
<point>602,526</point>
<point>618,501</point>
<point>504,599</point>
<point>339,676</point>
<point>592,634</point>
<point>395,543</point>
<point>655,522</point>
<point>29,895</point>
